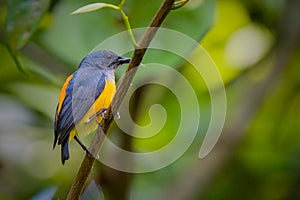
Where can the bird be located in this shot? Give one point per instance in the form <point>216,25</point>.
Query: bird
<point>85,96</point>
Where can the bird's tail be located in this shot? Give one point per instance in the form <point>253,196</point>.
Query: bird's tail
<point>65,151</point>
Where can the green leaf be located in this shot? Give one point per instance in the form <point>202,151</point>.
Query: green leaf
<point>90,8</point>
<point>22,20</point>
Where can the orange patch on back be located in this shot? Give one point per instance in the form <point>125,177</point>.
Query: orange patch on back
<point>62,94</point>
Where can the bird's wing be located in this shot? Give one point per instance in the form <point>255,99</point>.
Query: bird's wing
<point>80,94</point>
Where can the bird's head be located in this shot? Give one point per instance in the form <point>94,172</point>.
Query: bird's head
<point>104,59</point>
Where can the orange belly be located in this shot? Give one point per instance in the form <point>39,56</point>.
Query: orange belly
<point>103,101</point>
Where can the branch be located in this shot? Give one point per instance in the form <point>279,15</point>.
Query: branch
<point>88,162</point>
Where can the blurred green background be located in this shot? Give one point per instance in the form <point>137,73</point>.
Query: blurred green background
<point>255,45</point>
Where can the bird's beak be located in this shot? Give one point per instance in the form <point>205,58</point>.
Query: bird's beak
<point>123,60</point>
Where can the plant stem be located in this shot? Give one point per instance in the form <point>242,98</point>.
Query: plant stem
<point>122,3</point>
<point>128,27</point>
<point>125,19</point>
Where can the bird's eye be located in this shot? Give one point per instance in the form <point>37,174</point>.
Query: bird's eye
<point>108,56</point>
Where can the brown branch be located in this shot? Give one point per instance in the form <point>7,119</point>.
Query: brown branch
<point>112,180</point>
<point>88,162</point>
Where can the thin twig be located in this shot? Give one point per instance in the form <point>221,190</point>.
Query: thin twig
<point>88,162</point>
